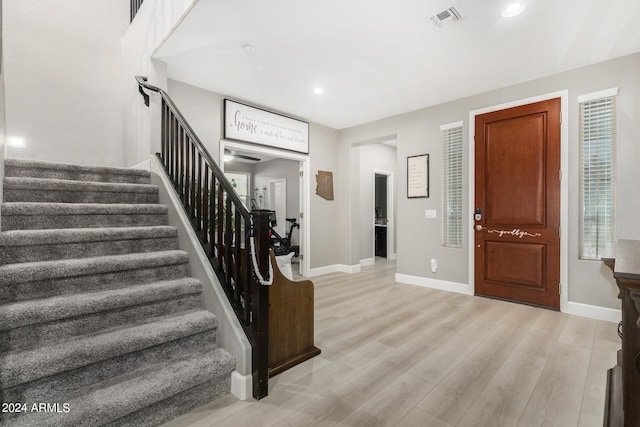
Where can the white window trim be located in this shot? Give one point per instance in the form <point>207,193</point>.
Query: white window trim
<point>452,125</point>
<point>606,93</point>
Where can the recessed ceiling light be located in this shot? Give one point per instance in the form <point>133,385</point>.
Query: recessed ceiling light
<point>228,157</point>
<point>512,10</point>
<point>249,49</point>
<point>318,91</point>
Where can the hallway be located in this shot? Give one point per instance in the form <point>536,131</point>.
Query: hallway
<point>402,355</point>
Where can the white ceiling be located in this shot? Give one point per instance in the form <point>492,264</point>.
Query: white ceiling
<point>378,58</point>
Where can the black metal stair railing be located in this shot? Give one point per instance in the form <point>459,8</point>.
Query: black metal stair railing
<point>224,227</point>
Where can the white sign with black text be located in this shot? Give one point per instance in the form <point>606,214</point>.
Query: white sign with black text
<point>250,124</point>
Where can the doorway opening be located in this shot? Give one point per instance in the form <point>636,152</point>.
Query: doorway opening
<point>368,158</point>
<point>383,215</point>
<point>279,181</point>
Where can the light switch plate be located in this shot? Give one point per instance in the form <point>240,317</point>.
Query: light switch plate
<point>430,213</point>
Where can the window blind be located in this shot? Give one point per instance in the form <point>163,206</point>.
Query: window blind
<point>598,174</point>
<point>452,193</point>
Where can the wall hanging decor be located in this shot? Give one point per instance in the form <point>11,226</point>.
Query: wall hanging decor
<point>250,124</point>
<point>418,176</point>
<point>324,185</point>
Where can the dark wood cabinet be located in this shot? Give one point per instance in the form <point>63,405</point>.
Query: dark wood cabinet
<point>623,380</point>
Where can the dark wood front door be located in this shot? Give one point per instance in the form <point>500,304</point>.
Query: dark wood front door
<point>517,204</point>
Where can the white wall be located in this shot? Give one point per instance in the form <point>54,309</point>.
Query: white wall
<point>372,157</point>
<point>418,132</point>
<point>62,65</point>
<point>203,110</point>
<point>155,20</point>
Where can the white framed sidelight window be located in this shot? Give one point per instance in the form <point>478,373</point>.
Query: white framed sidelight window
<point>597,173</point>
<point>452,183</point>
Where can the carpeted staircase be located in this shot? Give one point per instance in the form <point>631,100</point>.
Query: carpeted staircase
<point>99,322</point>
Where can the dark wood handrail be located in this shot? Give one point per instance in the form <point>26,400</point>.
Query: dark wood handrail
<point>224,226</point>
<point>142,81</point>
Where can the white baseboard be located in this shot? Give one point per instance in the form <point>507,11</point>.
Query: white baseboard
<point>319,271</point>
<point>241,385</point>
<point>367,262</point>
<point>350,269</point>
<point>426,282</point>
<point>594,312</point>
<point>574,308</point>
<point>335,268</point>
<point>393,256</point>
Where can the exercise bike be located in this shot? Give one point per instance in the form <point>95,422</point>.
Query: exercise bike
<point>282,245</point>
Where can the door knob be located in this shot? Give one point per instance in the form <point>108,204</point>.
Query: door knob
<point>478,227</point>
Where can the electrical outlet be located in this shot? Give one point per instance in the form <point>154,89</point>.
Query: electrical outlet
<point>430,213</point>
<point>434,265</point>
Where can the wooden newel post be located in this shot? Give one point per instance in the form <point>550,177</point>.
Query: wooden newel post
<point>260,308</point>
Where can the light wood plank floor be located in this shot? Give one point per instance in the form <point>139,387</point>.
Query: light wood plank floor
<point>400,355</point>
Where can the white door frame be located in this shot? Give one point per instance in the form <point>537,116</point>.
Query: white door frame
<point>305,186</point>
<point>564,186</point>
<point>390,213</point>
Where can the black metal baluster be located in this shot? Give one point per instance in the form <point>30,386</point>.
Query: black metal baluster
<point>213,219</point>
<point>172,144</point>
<point>185,168</point>
<point>181,167</point>
<point>192,198</point>
<point>176,154</point>
<point>220,212</point>
<point>163,136</point>
<point>199,195</point>
<point>167,133</point>
<point>169,144</point>
<point>204,207</point>
<point>228,240</point>
<point>238,256</point>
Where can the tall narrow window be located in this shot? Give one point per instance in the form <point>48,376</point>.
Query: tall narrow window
<point>597,173</point>
<point>452,192</point>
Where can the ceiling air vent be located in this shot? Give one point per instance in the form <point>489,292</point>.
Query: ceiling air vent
<point>452,14</point>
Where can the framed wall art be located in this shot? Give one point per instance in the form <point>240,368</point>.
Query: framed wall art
<point>418,176</point>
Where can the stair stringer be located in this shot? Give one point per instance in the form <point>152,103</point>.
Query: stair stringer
<point>230,334</point>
